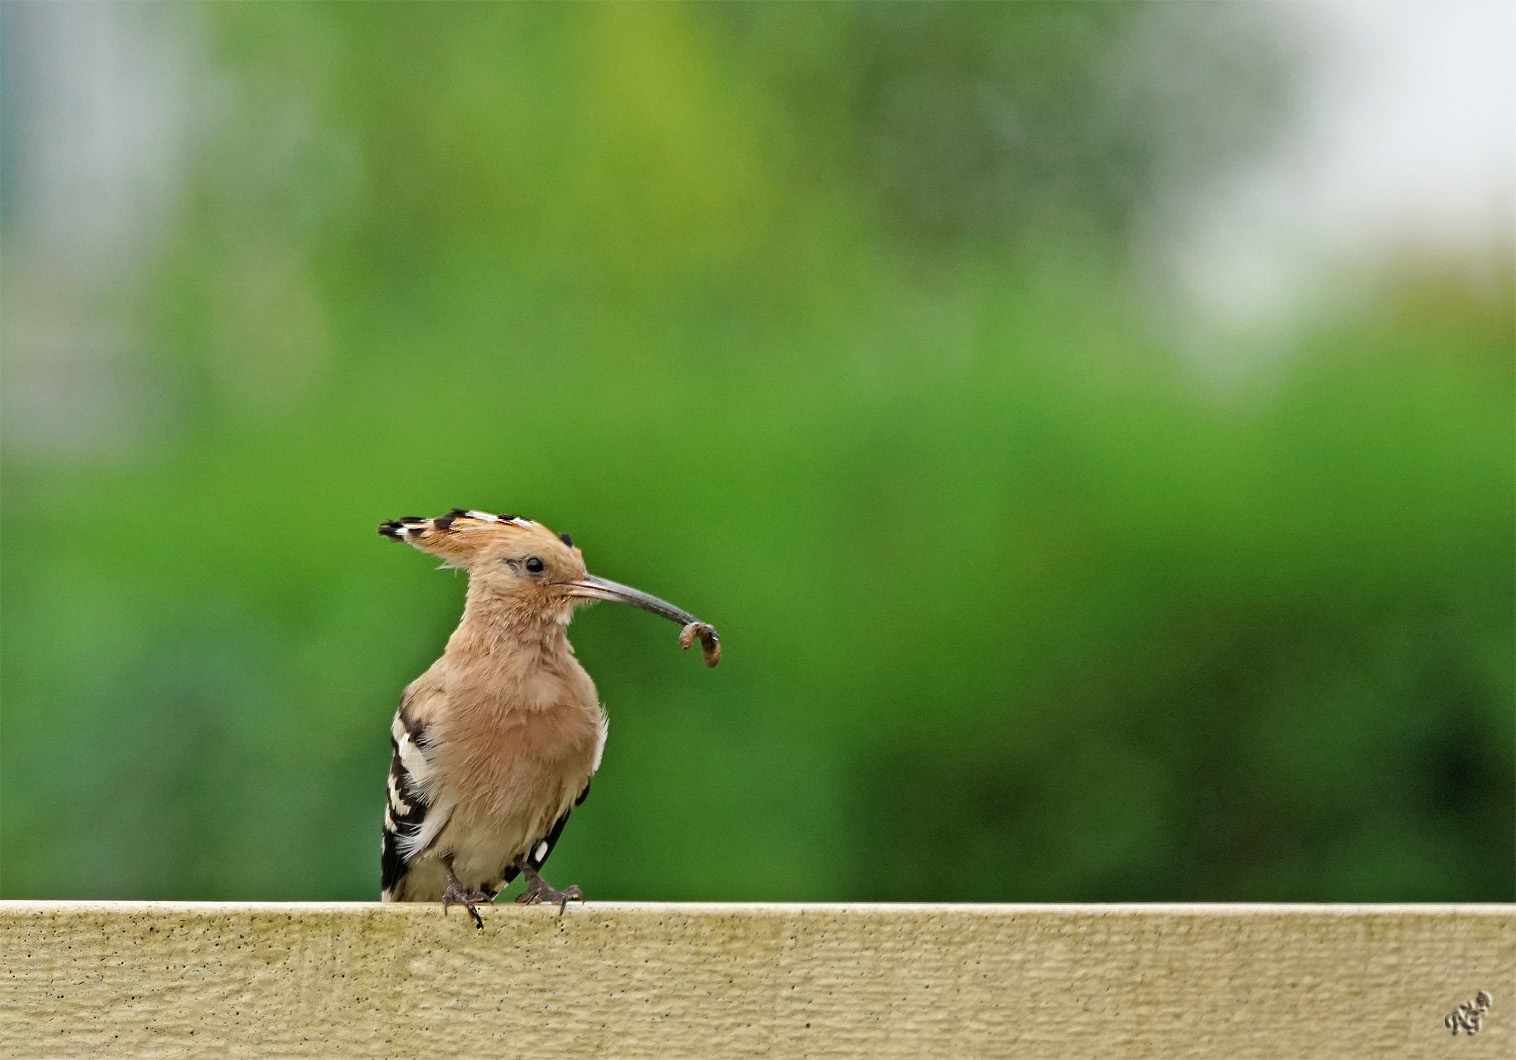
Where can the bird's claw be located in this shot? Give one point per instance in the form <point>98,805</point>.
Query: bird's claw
<point>470,900</point>
<point>539,891</point>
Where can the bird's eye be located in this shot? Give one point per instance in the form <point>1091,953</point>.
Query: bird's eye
<point>534,565</point>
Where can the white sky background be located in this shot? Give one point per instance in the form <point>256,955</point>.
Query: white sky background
<point>1407,144</point>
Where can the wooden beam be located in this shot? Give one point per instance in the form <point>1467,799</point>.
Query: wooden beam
<point>128,979</point>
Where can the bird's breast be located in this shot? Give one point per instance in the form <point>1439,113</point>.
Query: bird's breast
<point>525,744</point>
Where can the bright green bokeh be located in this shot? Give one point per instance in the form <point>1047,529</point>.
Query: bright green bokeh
<point>767,308</point>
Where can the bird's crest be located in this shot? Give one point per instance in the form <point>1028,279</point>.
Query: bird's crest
<point>457,536</point>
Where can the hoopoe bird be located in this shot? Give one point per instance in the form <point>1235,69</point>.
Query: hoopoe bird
<point>494,745</point>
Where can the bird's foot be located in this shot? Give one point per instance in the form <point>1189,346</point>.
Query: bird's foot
<point>539,890</point>
<point>470,900</point>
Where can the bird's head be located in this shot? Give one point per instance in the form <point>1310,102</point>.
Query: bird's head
<point>524,565</point>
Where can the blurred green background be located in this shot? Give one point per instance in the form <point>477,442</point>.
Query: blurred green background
<point>833,324</point>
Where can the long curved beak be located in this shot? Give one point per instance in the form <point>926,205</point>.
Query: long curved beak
<point>595,588</point>
<point>592,588</point>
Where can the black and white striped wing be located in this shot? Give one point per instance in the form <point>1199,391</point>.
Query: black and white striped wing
<point>408,829</point>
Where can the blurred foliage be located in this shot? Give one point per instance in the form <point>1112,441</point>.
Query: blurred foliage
<point>817,320</point>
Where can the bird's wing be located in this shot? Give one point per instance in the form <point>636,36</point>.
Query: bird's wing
<point>543,848</point>
<point>411,819</point>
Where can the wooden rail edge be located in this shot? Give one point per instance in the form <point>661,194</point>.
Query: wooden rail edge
<point>149,979</point>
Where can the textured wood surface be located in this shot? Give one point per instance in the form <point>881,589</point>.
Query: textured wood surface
<point>670,981</point>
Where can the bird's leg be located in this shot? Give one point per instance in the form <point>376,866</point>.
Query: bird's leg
<point>539,890</point>
<point>470,900</point>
